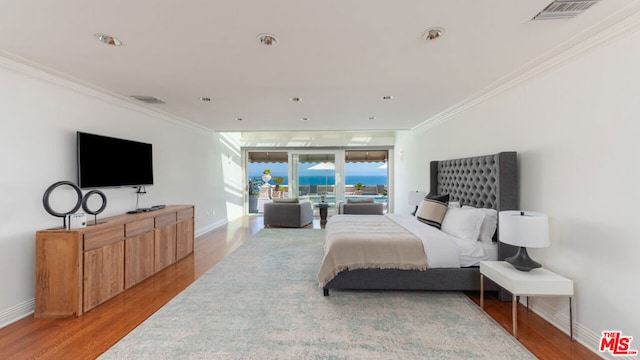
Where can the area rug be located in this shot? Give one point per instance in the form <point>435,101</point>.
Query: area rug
<point>263,302</point>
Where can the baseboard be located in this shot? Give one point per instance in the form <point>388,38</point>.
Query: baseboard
<point>581,334</point>
<point>211,227</point>
<point>16,312</point>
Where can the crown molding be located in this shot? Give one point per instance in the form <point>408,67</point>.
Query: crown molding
<point>594,37</point>
<point>29,68</point>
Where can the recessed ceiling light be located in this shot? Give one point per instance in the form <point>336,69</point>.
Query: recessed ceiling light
<point>433,33</point>
<point>387,97</point>
<point>108,39</point>
<point>205,99</point>
<point>305,119</point>
<point>295,99</point>
<point>267,39</point>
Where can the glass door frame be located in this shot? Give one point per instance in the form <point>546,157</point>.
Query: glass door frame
<point>340,179</point>
<point>338,156</point>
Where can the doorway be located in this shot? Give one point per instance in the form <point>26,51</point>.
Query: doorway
<point>312,174</point>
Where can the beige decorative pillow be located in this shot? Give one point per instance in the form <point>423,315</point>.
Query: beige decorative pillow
<point>432,212</point>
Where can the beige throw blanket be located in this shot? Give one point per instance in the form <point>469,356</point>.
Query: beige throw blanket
<point>369,241</point>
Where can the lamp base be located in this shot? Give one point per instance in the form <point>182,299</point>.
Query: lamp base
<point>522,261</point>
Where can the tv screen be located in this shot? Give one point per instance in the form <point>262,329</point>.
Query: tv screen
<point>110,162</point>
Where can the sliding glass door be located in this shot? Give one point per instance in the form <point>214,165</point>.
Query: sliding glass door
<point>268,177</point>
<point>336,174</point>
<point>315,174</point>
<point>366,175</point>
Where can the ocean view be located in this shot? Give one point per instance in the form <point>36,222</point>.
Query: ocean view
<point>320,179</point>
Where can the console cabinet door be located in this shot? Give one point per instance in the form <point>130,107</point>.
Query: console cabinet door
<point>103,274</point>
<point>184,241</point>
<point>139,258</point>
<point>58,290</point>
<point>165,247</point>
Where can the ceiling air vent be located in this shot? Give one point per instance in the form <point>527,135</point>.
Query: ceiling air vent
<point>564,9</point>
<point>148,99</point>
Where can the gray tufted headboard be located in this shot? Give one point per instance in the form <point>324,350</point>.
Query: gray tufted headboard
<point>489,181</point>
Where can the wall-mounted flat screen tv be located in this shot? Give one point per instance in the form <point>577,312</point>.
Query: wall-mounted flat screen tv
<point>111,162</point>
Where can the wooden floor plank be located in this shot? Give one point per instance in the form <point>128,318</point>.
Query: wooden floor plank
<point>90,335</point>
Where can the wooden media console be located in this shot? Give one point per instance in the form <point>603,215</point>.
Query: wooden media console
<point>77,270</point>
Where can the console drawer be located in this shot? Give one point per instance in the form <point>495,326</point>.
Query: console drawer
<point>185,214</point>
<point>139,227</point>
<point>98,239</point>
<point>165,220</point>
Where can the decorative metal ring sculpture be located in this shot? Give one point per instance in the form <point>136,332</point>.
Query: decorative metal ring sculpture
<point>50,189</point>
<point>85,206</point>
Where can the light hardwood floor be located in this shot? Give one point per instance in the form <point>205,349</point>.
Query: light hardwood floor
<point>90,335</point>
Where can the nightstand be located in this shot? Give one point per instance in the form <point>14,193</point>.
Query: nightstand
<point>537,282</point>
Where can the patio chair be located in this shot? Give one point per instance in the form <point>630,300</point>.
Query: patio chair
<point>288,213</point>
<point>361,206</point>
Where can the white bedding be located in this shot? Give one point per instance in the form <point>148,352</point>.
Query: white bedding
<point>438,243</point>
<point>368,241</point>
<point>489,253</point>
<point>442,249</point>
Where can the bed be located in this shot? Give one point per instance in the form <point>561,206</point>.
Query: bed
<point>489,181</point>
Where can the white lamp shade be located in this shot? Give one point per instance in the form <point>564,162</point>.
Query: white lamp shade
<point>415,197</point>
<point>524,228</point>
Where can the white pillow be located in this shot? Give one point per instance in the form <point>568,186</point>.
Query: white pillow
<point>454,204</point>
<point>463,223</point>
<point>489,224</point>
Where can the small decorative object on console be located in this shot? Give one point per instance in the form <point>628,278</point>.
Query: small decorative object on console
<point>95,213</point>
<point>77,221</point>
<point>63,215</point>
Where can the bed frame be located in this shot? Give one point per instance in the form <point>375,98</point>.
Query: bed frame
<point>489,181</point>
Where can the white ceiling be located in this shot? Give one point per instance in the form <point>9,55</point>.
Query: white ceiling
<point>340,57</point>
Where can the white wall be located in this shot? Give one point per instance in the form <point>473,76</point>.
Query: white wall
<point>576,130</point>
<point>39,117</point>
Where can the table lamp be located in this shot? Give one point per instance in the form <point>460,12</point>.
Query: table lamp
<point>415,198</point>
<point>524,229</point>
